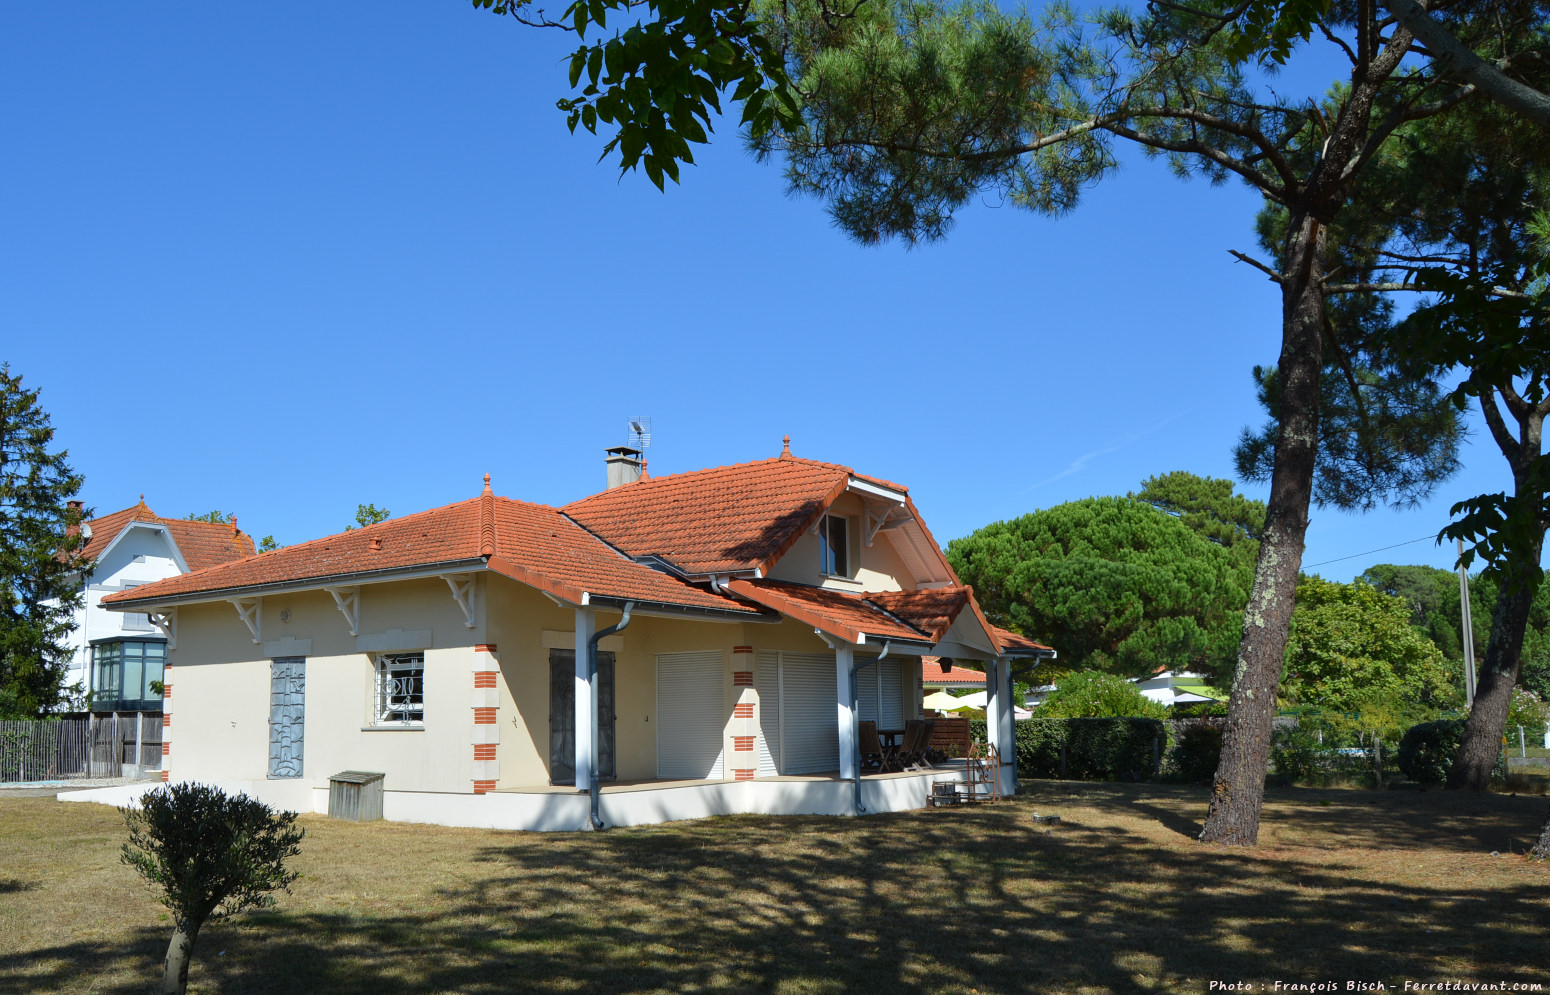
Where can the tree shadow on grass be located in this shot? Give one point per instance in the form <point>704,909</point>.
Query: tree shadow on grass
<point>954,900</point>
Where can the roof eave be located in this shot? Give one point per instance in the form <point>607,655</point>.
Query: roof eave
<point>411,572</point>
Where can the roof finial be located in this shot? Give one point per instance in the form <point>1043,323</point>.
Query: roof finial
<point>142,497</point>
<point>644,475</point>
<point>487,483</point>
<point>234,530</point>
<point>785,446</point>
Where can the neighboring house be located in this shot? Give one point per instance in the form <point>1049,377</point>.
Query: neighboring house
<point>1165,686</point>
<point>117,656</point>
<point>745,619</point>
<point>937,674</point>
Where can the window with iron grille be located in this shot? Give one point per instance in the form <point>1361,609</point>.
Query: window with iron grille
<point>400,689</point>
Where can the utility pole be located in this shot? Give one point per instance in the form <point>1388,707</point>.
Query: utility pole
<point>1468,633</point>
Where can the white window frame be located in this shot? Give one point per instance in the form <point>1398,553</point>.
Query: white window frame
<point>388,691</point>
<point>826,549</point>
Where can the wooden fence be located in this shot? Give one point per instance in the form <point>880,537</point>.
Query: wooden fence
<point>109,744</point>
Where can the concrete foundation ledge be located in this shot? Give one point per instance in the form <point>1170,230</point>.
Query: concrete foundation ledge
<point>547,810</point>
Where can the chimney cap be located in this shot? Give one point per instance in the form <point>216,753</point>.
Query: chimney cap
<point>622,451</point>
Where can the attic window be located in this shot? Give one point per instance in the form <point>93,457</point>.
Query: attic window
<point>834,546</point>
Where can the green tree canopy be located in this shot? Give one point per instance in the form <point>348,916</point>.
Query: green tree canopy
<point>216,517</point>
<point>368,514</point>
<point>1113,583</point>
<point>39,590</point>
<point>1354,648</point>
<point>1210,506</point>
<point>1094,694</point>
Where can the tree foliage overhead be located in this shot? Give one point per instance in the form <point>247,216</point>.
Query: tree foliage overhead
<point>659,81</point>
<point>368,514</point>
<point>1113,583</point>
<point>1353,649</point>
<point>39,537</point>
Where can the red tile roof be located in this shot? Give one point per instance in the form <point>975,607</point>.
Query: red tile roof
<point>528,542</point>
<point>835,612</point>
<point>931,611</point>
<point>727,519</point>
<point>1019,645</point>
<point>931,672</point>
<point>203,544</point>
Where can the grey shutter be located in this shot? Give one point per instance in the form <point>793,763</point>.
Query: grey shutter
<point>866,693</point>
<point>890,696</point>
<point>809,713</point>
<point>691,714</point>
<point>562,717</point>
<point>769,713</point>
<point>287,714</point>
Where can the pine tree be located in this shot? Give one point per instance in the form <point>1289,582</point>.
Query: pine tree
<point>39,535</point>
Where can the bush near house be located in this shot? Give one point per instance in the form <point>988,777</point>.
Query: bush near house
<point>1112,749</point>
<point>1426,751</point>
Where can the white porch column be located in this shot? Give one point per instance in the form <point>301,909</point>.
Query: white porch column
<point>993,703</point>
<point>1005,736</point>
<point>586,625</point>
<point>844,659</point>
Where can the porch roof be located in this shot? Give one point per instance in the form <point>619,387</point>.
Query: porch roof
<point>851,617</point>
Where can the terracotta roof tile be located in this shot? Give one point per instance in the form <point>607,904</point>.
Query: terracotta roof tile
<point>529,542</point>
<point>931,672</point>
<point>722,520</point>
<point>931,611</point>
<point>838,613</point>
<point>1018,644</point>
<point>202,544</point>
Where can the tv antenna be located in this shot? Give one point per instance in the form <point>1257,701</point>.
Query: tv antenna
<point>640,433</point>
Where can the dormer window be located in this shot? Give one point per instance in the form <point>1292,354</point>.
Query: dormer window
<point>834,546</point>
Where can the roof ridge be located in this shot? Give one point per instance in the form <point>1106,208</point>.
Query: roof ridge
<point>751,464</point>
<point>486,520</point>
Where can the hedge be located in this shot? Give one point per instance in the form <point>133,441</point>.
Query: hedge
<point>1426,752</point>
<point>1089,749</point>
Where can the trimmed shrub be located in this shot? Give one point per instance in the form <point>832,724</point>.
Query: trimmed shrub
<point>1196,754</point>
<point>1088,749</point>
<point>1426,752</point>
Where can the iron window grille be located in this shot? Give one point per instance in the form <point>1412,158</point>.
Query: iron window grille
<point>401,689</point>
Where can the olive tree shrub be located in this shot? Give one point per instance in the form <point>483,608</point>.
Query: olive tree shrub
<point>212,855</point>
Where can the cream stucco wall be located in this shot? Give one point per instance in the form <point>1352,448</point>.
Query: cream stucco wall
<point>221,684</point>
<point>873,568</point>
<point>220,688</point>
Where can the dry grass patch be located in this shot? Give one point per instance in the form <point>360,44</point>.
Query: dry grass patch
<point>1119,897</point>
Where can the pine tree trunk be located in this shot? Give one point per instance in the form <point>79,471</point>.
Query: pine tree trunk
<point>1542,848</point>
<point>1487,722</point>
<point>1238,790</point>
<point>174,978</point>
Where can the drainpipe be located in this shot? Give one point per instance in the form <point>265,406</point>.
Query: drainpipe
<point>594,788</point>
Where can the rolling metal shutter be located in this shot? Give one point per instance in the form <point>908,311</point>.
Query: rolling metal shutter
<point>691,714</point>
<point>769,713</point>
<point>890,694</point>
<point>809,722</point>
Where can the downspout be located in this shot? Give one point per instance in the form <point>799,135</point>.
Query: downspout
<point>594,789</point>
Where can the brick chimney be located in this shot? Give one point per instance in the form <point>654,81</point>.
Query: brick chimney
<point>624,465</point>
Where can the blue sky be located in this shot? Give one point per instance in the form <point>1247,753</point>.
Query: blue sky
<point>285,258</point>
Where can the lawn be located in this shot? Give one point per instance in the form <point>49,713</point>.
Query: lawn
<point>1348,886</point>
